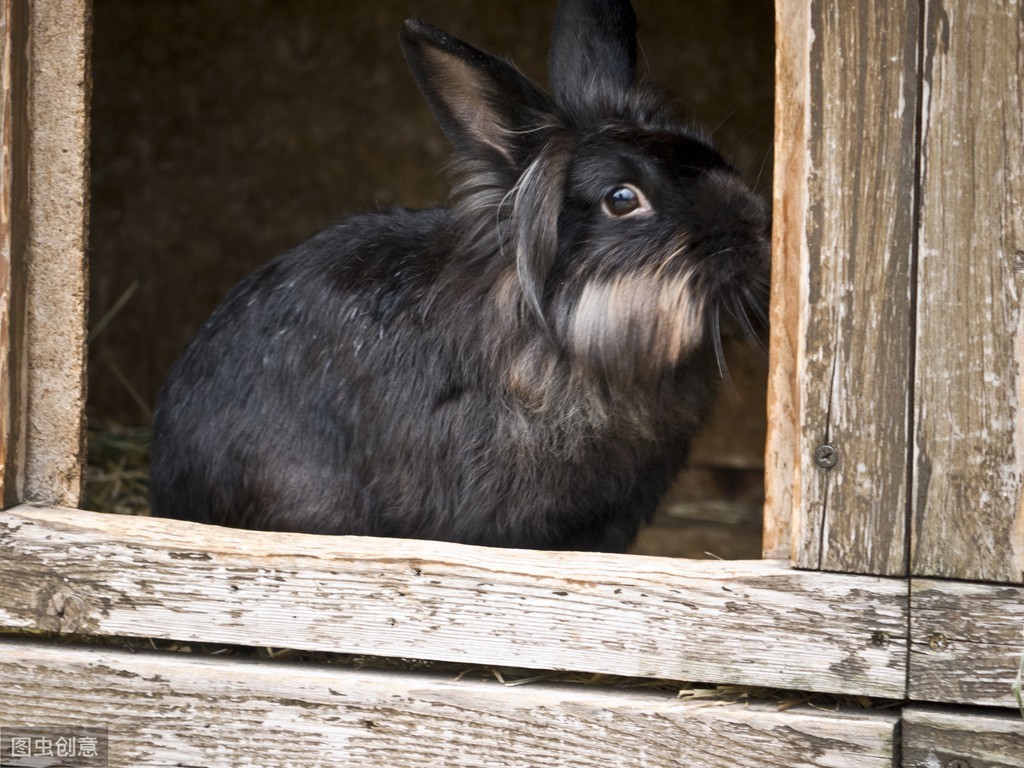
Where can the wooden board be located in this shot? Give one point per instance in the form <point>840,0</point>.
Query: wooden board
<point>178,709</point>
<point>747,622</point>
<point>13,235</point>
<point>848,204</point>
<point>789,214</point>
<point>967,642</point>
<point>55,262</point>
<point>968,520</point>
<point>960,738</point>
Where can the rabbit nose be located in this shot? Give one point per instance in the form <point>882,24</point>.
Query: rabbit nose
<point>735,200</point>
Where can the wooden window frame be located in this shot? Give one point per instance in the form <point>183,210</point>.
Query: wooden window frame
<point>872,613</point>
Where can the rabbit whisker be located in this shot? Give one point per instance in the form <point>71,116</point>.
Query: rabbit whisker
<point>755,303</point>
<point>740,313</point>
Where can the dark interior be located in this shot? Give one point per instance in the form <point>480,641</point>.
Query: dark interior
<point>226,132</point>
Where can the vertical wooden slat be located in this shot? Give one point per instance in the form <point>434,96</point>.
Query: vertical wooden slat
<point>853,283</point>
<point>56,279</point>
<point>789,204</point>
<point>13,235</point>
<point>968,519</point>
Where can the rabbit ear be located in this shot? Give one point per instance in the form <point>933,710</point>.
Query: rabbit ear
<point>479,100</point>
<point>592,63</point>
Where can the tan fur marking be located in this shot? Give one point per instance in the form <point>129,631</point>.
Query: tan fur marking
<point>648,319</point>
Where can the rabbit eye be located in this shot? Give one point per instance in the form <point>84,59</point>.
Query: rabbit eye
<point>625,200</point>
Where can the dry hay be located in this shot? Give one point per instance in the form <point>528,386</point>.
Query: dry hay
<point>117,477</point>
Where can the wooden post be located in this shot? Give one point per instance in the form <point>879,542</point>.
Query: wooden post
<point>13,237</point>
<point>842,291</point>
<point>56,286</point>
<point>44,81</point>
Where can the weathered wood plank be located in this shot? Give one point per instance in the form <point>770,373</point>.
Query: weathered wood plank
<point>968,520</point>
<point>967,642</point>
<point>942,737</point>
<point>13,235</point>
<point>177,709</point>
<point>854,288</point>
<point>748,622</point>
<point>56,280</point>
<point>789,214</point>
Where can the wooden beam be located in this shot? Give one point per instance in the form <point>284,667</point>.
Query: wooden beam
<point>962,737</point>
<point>968,520</point>
<point>967,642</point>
<point>745,622</point>
<point>180,709</point>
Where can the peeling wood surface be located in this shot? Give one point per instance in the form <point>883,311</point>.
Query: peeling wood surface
<point>937,738</point>
<point>748,622</point>
<point>855,285</point>
<point>968,520</point>
<point>789,210</point>
<point>967,642</point>
<point>177,709</point>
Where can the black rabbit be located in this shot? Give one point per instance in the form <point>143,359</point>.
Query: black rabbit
<point>525,368</point>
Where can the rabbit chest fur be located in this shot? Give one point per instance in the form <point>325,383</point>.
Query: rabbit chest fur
<point>524,368</point>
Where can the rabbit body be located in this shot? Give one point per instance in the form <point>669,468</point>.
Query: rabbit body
<point>525,368</point>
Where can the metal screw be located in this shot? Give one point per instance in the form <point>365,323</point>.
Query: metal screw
<point>880,639</point>
<point>938,642</point>
<point>958,763</point>
<point>1018,260</point>
<point>826,456</point>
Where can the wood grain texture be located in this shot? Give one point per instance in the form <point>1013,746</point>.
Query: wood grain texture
<point>177,709</point>
<point>936,738</point>
<point>967,642</point>
<point>968,520</point>
<point>56,279</point>
<point>13,235</point>
<point>855,285</point>
<point>782,524</point>
<point>748,622</point>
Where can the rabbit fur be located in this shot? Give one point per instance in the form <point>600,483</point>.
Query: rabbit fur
<point>524,368</point>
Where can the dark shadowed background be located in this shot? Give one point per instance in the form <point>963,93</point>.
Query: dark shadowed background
<point>225,131</point>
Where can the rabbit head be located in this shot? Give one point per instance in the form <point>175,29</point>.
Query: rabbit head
<point>627,232</point>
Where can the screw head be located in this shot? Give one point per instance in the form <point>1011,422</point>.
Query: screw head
<point>958,763</point>
<point>826,456</point>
